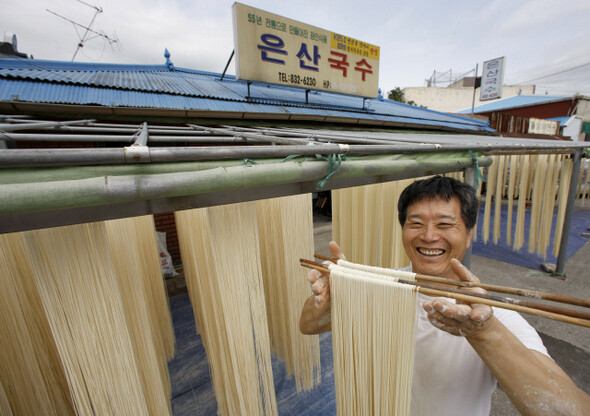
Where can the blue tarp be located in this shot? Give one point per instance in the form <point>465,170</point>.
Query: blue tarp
<point>192,392</point>
<point>504,252</point>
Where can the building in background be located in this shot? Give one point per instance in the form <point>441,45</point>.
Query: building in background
<point>568,117</point>
<point>8,47</point>
<point>457,95</point>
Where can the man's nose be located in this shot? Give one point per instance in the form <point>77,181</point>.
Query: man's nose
<point>430,233</point>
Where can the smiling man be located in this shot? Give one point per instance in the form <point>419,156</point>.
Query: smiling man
<point>462,350</point>
<point>437,216</point>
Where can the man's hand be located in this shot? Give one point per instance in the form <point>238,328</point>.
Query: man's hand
<point>315,316</point>
<point>459,319</point>
<point>320,282</point>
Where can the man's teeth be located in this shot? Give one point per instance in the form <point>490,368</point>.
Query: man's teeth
<point>431,252</point>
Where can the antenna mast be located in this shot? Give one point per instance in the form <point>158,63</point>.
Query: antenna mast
<point>88,29</point>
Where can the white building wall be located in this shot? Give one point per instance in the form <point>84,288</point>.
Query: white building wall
<point>573,128</point>
<point>583,109</point>
<point>450,100</point>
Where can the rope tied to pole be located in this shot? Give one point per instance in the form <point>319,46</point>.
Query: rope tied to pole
<point>334,163</point>
<point>249,161</point>
<point>291,157</point>
<point>478,176</point>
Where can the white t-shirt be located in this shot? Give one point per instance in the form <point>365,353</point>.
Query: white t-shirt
<point>449,377</point>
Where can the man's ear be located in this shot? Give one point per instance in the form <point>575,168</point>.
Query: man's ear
<point>469,237</point>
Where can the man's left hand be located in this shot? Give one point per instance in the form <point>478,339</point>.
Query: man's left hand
<point>459,318</point>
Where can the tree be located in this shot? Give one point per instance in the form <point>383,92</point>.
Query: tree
<point>396,94</point>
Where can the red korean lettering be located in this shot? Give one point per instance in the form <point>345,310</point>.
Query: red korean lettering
<point>341,63</point>
<point>363,67</point>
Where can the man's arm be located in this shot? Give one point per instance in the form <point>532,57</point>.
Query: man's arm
<point>532,381</point>
<point>315,316</point>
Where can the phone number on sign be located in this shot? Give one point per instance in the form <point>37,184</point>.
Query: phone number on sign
<point>297,79</point>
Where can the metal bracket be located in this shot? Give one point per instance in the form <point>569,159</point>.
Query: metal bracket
<point>227,65</point>
<point>137,154</point>
<point>142,136</point>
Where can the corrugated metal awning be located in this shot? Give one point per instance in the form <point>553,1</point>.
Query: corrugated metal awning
<point>138,88</point>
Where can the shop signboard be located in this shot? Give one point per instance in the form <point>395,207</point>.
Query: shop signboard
<point>492,79</point>
<point>273,49</point>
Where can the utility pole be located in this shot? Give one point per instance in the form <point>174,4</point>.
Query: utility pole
<point>87,29</point>
<point>474,88</point>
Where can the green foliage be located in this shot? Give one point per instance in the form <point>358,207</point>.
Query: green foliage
<point>396,94</point>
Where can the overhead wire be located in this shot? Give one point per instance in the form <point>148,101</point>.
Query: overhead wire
<point>554,73</point>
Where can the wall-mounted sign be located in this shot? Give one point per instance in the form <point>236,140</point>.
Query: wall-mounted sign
<point>492,79</point>
<point>273,49</point>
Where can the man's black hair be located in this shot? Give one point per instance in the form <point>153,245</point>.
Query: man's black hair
<point>440,187</point>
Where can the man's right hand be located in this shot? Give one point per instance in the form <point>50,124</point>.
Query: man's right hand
<point>320,282</point>
<point>315,316</point>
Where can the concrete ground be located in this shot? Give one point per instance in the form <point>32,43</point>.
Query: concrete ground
<point>568,345</point>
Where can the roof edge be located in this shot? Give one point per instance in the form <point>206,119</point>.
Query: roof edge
<point>69,110</point>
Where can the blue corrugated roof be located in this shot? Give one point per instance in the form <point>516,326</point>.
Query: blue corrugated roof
<point>513,102</point>
<point>164,87</point>
<point>562,120</point>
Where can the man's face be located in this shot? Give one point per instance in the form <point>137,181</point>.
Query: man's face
<point>433,234</point>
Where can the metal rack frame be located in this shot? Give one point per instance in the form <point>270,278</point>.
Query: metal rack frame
<point>150,169</point>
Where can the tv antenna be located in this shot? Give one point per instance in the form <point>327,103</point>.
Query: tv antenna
<point>89,33</point>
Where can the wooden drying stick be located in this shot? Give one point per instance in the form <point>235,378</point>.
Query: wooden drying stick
<point>494,288</point>
<point>574,317</point>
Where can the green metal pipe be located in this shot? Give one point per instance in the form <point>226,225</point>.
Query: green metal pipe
<point>66,190</point>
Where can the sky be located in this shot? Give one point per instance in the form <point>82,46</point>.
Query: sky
<point>545,42</point>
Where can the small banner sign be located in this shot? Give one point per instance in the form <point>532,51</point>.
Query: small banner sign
<point>492,79</point>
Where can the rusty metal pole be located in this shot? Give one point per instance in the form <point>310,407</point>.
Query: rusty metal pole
<point>569,211</point>
<point>470,179</point>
